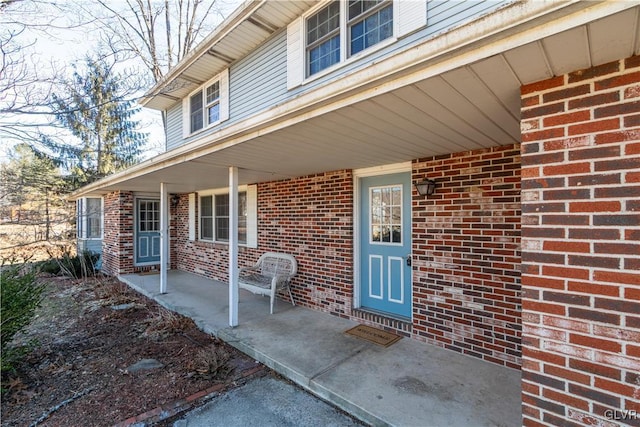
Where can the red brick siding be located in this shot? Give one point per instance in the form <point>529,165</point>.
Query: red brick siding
<point>581,246</point>
<point>117,244</point>
<point>312,218</point>
<point>308,217</point>
<point>466,247</point>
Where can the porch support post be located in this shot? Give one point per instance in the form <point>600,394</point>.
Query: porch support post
<point>164,236</point>
<point>233,246</point>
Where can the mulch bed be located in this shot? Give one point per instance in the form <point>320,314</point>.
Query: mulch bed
<point>87,333</point>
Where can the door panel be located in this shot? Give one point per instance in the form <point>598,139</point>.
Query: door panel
<point>147,231</point>
<point>385,244</point>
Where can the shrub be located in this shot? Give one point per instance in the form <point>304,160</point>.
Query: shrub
<point>212,362</point>
<point>77,266</point>
<point>21,294</point>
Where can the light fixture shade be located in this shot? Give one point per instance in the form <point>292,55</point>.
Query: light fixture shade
<point>175,199</point>
<point>426,187</point>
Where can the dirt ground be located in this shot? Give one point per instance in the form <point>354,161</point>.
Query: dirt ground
<point>85,339</point>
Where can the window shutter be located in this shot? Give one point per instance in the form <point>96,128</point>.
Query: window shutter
<point>412,15</point>
<point>295,54</point>
<point>224,95</point>
<point>186,127</point>
<point>192,216</point>
<point>252,216</point>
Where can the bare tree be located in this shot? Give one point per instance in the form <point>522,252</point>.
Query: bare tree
<point>26,81</point>
<point>159,33</point>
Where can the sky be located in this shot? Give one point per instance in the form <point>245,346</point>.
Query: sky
<point>54,48</point>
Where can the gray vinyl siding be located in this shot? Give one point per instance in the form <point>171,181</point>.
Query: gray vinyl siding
<point>443,15</point>
<point>174,126</point>
<point>258,81</point>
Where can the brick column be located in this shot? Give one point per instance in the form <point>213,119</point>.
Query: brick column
<point>117,243</point>
<point>581,247</point>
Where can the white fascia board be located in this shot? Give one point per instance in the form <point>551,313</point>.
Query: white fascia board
<point>241,13</point>
<point>507,28</point>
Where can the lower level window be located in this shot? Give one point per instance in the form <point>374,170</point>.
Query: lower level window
<point>89,225</point>
<point>214,217</point>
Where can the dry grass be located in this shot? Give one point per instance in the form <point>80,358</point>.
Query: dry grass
<point>212,362</point>
<point>24,242</point>
<point>109,292</point>
<point>163,323</point>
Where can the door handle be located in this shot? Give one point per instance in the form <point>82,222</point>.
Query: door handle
<point>408,258</point>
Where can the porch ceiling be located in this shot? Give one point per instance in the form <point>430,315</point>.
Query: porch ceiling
<point>419,112</point>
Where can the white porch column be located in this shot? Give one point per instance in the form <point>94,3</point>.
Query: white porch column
<point>164,236</point>
<point>233,246</point>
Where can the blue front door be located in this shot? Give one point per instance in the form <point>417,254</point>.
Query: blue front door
<point>385,248</point>
<point>147,231</point>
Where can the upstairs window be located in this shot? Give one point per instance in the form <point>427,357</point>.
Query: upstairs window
<point>323,38</point>
<point>208,105</point>
<point>335,31</point>
<point>366,22</point>
<point>370,22</point>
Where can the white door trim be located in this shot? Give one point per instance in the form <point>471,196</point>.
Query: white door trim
<point>145,196</point>
<point>357,210</point>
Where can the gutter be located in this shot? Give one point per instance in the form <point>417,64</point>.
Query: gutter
<point>526,22</point>
<point>239,15</point>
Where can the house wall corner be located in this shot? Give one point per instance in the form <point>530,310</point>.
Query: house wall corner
<point>581,247</point>
<point>117,243</point>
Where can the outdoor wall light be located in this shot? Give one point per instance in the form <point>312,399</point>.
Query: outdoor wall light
<point>175,199</point>
<point>426,187</point>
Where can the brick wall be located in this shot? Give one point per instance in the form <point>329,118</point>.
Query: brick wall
<point>581,247</point>
<point>308,217</point>
<point>117,244</point>
<point>466,246</point>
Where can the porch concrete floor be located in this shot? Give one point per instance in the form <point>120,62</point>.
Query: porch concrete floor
<point>407,384</point>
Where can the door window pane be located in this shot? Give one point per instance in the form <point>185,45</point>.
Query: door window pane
<point>385,214</point>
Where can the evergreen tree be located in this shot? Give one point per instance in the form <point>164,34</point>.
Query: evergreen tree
<point>95,110</point>
<point>32,188</point>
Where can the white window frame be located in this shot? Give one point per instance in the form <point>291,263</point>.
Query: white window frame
<point>251,218</point>
<point>222,101</point>
<point>408,17</point>
<point>345,56</point>
<point>82,226</point>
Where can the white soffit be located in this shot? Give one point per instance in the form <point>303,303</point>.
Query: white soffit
<point>529,63</point>
<point>499,78</point>
<point>475,90</point>
<point>425,111</point>
<point>596,43</point>
<point>612,35</point>
<point>567,51</point>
